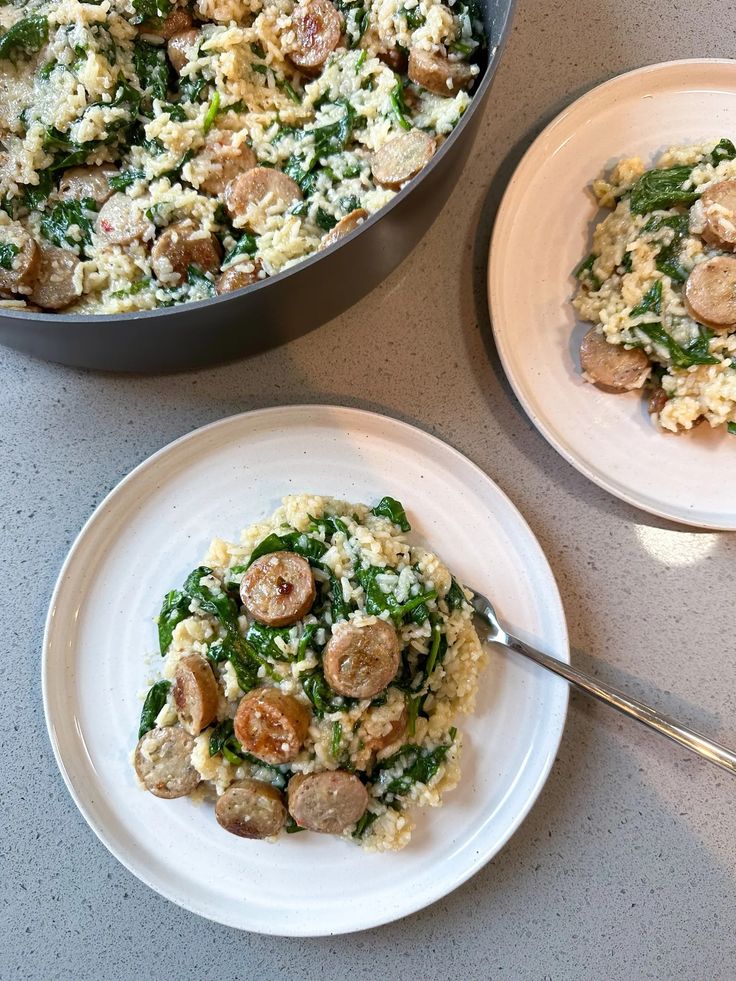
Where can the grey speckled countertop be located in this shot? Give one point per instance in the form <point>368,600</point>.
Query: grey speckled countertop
<point>625,868</point>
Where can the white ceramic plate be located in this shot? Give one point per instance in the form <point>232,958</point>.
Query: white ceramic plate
<point>543,230</point>
<point>144,539</point>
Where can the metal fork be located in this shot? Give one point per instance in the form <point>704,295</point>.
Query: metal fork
<point>651,717</point>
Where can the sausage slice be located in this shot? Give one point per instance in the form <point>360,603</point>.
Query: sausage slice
<point>54,288</point>
<point>224,161</point>
<point>278,589</point>
<point>163,762</point>
<point>719,212</point>
<point>329,801</point>
<point>437,73</point>
<point>360,661</point>
<point>611,366</point>
<point>317,28</point>
<point>180,47</point>
<point>271,725</point>
<point>253,186</point>
<point>710,292</point>
<point>395,58</point>
<point>177,22</point>
<point>238,277</point>
<point>195,693</point>
<point>25,265</point>
<point>87,182</point>
<point>402,158</point>
<point>657,401</point>
<point>182,245</point>
<point>344,226</point>
<point>121,221</point>
<point>251,809</point>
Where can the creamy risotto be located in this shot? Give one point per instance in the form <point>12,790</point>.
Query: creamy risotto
<point>660,286</point>
<point>312,677</point>
<point>158,151</point>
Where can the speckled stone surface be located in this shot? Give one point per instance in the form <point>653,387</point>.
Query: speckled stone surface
<point>625,868</point>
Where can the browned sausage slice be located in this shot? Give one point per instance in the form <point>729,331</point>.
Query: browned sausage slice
<point>181,47</point>
<point>317,28</point>
<point>271,725</point>
<point>163,762</point>
<point>251,809</point>
<point>611,366</point>
<point>54,288</point>
<point>239,276</point>
<point>121,221</point>
<point>224,160</point>
<point>439,74</point>
<point>395,58</point>
<point>329,801</point>
<point>278,589</point>
<point>344,227</point>
<point>24,265</point>
<point>657,401</point>
<point>360,661</point>
<point>87,182</point>
<point>394,732</point>
<point>719,212</point>
<point>710,292</point>
<point>253,186</point>
<point>177,22</point>
<point>182,245</point>
<point>195,693</point>
<point>402,158</point>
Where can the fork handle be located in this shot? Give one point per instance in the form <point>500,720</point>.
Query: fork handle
<point>651,717</point>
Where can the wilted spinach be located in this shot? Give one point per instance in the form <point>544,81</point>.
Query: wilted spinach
<point>658,189</point>
<point>56,225</point>
<point>8,252</point>
<point>155,701</point>
<point>389,507</point>
<point>152,68</point>
<point>28,35</point>
<point>418,766</point>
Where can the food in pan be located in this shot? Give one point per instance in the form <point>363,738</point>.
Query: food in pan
<point>660,286</point>
<point>157,152</point>
<point>312,677</point>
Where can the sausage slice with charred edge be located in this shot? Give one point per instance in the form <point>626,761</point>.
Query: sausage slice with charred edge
<point>278,589</point>
<point>54,288</point>
<point>121,221</point>
<point>163,762</point>
<point>88,182</point>
<point>177,22</point>
<point>251,809</point>
<point>361,660</point>
<point>253,186</point>
<point>317,28</point>
<point>271,725</point>
<point>239,276</point>
<point>437,73</point>
<point>180,46</point>
<point>195,693</point>
<point>612,366</point>
<point>710,292</point>
<point>719,212</point>
<point>182,245</point>
<point>344,226</point>
<point>402,158</point>
<point>24,266</point>
<point>329,801</point>
<point>225,161</point>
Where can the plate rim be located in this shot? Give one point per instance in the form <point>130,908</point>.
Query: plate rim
<point>382,918</point>
<point>595,475</point>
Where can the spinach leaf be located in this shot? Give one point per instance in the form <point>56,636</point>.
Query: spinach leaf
<point>658,189</point>
<point>364,823</point>
<point>28,35</point>
<point>152,68</point>
<point>329,525</point>
<point>291,827</point>
<point>175,608</point>
<point>263,639</point>
<point>190,87</point>
<point>668,257</point>
<point>696,352</point>
<point>306,640</point>
<point>325,220</point>
<point>8,252</point>
<point>126,178</point>
<point>339,606</point>
<point>584,273</point>
<point>334,137</point>
<point>377,602</point>
<point>293,541</point>
<point>455,597</point>
<point>155,701</point>
<point>322,697</point>
<point>651,302</point>
<point>55,226</point>
<point>731,427</point>
<point>398,104</point>
<point>725,150</point>
<point>418,765</point>
<point>335,740</point>
<point>212,111</point>
<point>390,508</point>
<point>150,10</point>
<point>246,245</point>
<point>35,194</point>
<point>195,277</point>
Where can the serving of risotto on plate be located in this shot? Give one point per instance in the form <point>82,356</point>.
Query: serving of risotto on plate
<point>312,676</point>
<point>660,286</point>
<point>157,152</point>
